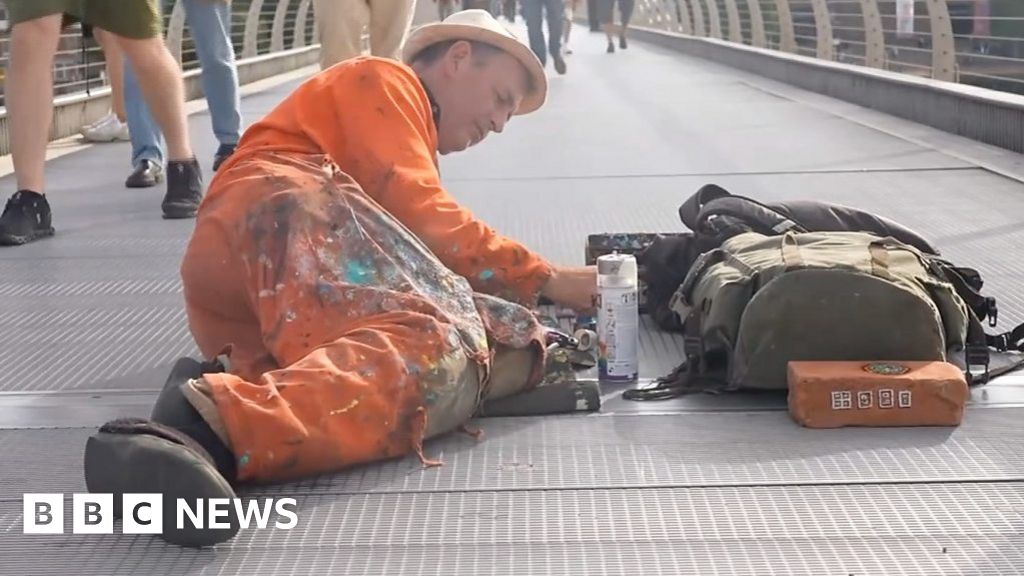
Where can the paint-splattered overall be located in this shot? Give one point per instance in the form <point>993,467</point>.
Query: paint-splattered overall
<point>348,284</point>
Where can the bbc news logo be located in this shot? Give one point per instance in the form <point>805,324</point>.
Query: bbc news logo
<point>144,513</point>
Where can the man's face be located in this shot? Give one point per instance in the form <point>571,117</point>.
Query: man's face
<point>477,95</point>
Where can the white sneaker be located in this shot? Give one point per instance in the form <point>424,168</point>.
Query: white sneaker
<point>96,123</point>
<point>107,129</point>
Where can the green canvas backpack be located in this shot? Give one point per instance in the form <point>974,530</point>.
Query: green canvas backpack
<point>757,302</point>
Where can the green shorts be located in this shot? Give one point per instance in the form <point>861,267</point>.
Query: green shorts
<point>128,18</point>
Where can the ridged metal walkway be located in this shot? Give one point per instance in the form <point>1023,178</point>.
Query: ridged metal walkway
<point>91,320</point>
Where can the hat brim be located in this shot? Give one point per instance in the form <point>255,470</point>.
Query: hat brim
<point>430,34</point>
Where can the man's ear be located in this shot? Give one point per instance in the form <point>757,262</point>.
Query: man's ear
<point>458,56</point>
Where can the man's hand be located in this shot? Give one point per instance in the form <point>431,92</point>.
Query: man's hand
<point>573,287</point>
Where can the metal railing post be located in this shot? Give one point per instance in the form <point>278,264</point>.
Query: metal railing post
<point>252,26</point>
<point>299,40</point>
<point>714,19</point>
<point>874,37</point>
<point>277,32</point>
<point>176,31</point>
<point>698,18</point>
<point>823,27</point>
<point>732,12</point>
<point>757,35</point>
<point>787,36</point>
<point>943,47</point>
<point>685,23</point>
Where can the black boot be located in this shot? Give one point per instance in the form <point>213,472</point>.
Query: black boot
<point>173,409</point>
<point>184,189</point>
<point>132,456</point>
<point>26,218</point>
<point>224,151</point>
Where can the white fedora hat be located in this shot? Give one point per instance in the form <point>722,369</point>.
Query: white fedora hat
<point>480,26</point>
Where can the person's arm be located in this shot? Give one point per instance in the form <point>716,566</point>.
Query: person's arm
<point>383,136</point>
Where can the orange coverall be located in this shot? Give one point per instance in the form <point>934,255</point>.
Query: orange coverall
<point>348,285</point>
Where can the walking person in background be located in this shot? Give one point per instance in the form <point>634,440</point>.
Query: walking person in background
<point>113,126</point>
<point>534,12</point>
<point>341,24</point>
<point>444,8</point>
<point>209,21</point>
<point>606,15</point>
<point>35,33</point>
<point>570,12</point>
<point>509,10</point>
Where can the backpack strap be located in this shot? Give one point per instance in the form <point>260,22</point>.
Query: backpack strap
<point>1007,341</point>
<point>967,283</point>
<point>715,215</point>
<point>691,377</point>
<point>690,209</point>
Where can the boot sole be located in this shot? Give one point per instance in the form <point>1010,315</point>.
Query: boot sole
<point>16,240</point>
<point>172,213</point>
<point>139,463</point>
<point>143,184</point>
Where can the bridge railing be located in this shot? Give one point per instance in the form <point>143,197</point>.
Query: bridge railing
<point>978,42</point>
<point>269,37</point>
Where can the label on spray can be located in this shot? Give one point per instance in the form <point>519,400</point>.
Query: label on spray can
<point>618,318</point>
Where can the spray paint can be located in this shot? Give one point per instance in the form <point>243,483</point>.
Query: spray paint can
<point>618,318</point>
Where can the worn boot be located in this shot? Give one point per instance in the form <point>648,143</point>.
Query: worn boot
<point>133,455</point>
<point>224,151</point>
<point>25,218</point>
<point>176,454</point>
<point>184,189</point>
<point>173,409</point>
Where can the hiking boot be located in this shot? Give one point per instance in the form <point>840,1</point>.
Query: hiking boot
<point>173,409</point>
<point>26,218</point>
<point>133,456</point>
<point>184,189</point>
<point>223,152</point>
<point>147,173</point>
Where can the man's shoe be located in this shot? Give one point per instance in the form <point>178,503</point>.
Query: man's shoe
<point>174,410</point>
<point>611,48</point>
<point>184,189</point>
<point>26,218</point>
<point>223,152</point>
<point>136,456</point>
<point>559,64</point>
<point>146,174</point>
<point>622,42</point>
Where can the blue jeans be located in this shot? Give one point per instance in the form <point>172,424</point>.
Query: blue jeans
<point>210,24</point>
<point>533,11</point>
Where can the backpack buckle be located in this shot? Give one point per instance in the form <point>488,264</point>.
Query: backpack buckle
<point>975,355</point>
<point>993,311</point>
<point>693,347</point>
